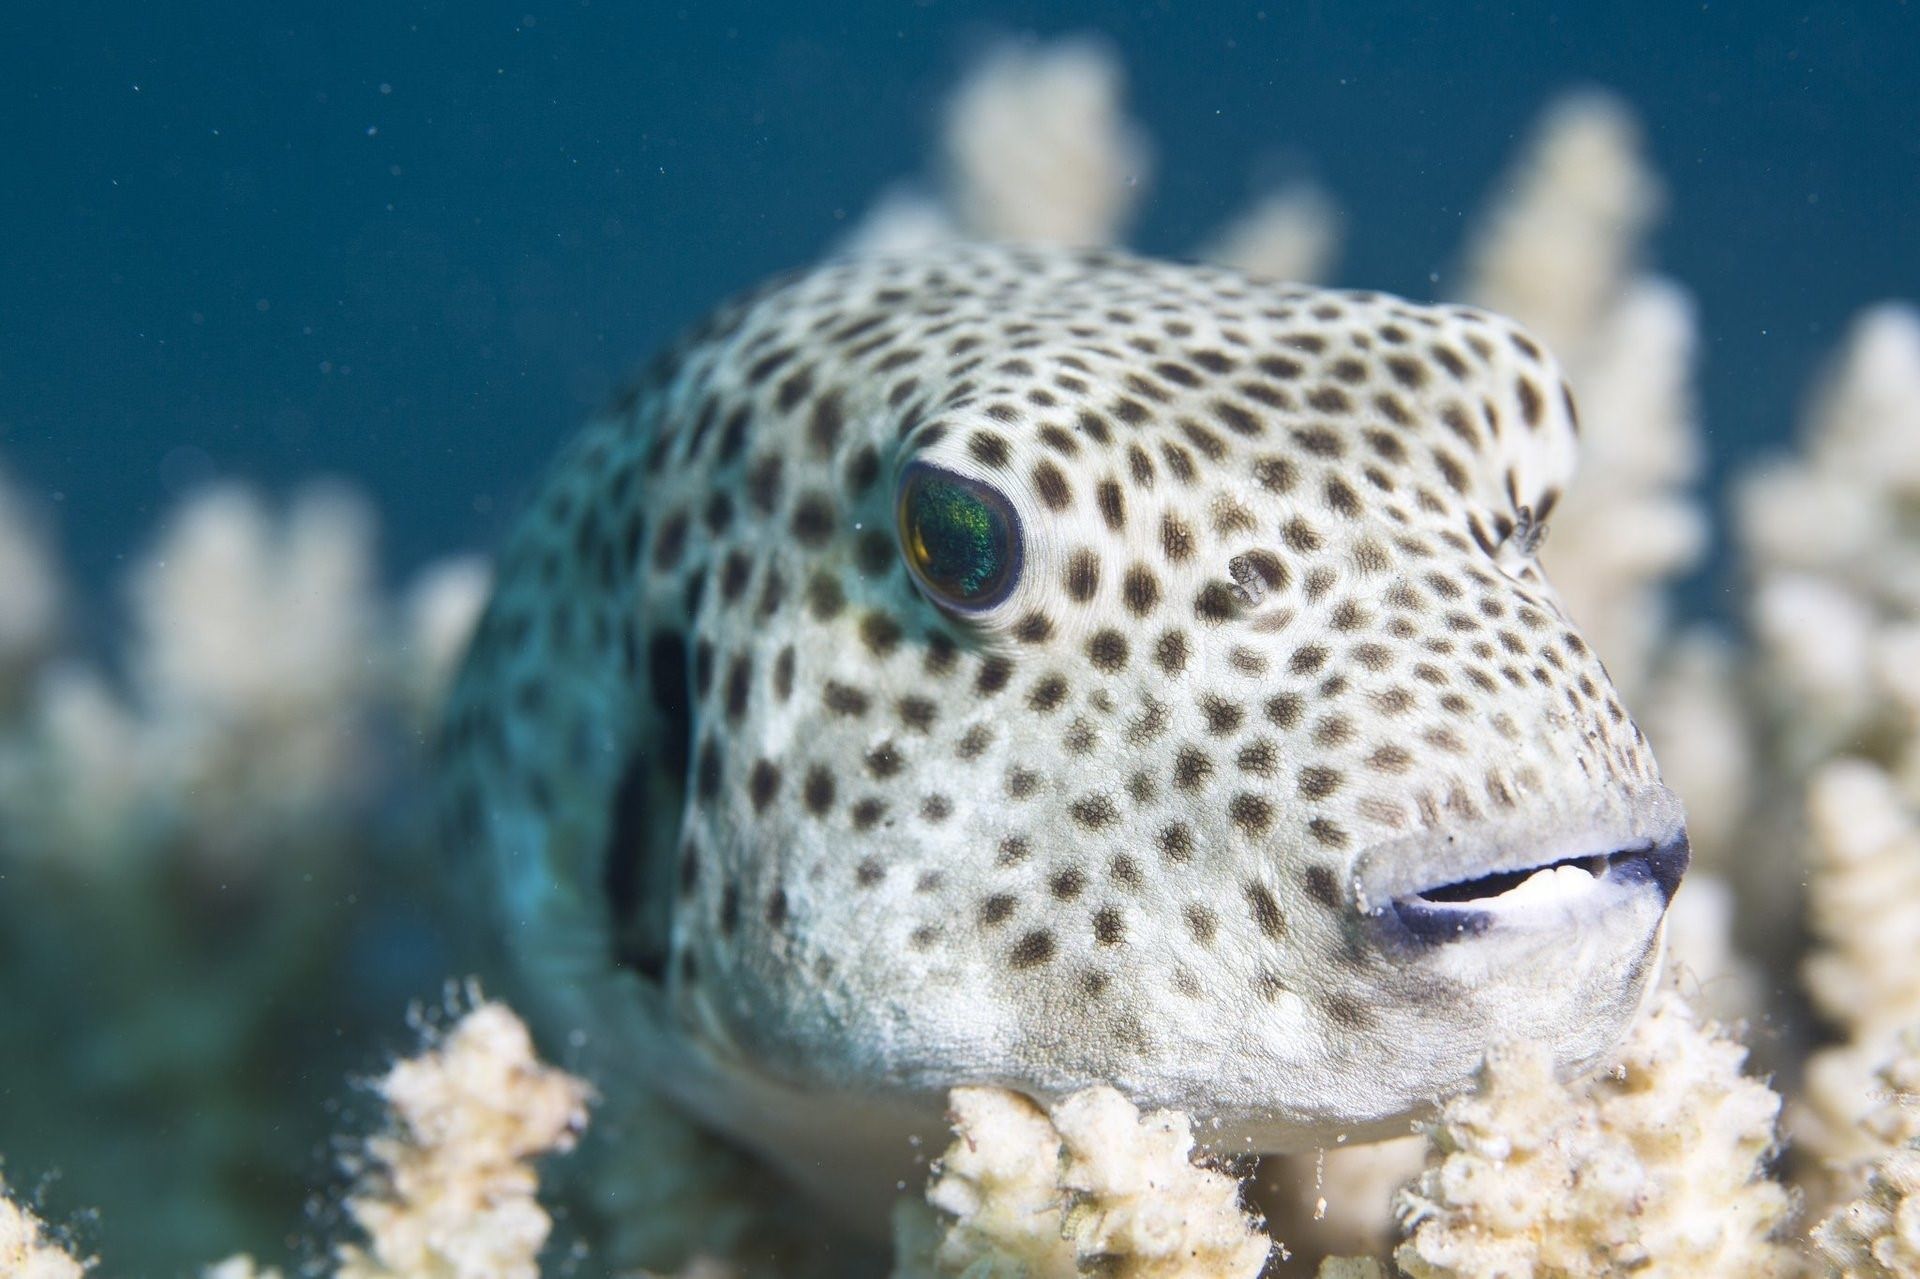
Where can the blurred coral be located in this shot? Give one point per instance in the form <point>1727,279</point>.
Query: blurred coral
<point>1562,252</point>
<point>1877,1234</point>
<point>1864,903</point>
<point>1555,249</point>
<point>240,1266</point>
<point>1291,234</point>
<point>30,591</point>
<point>203,844</point>
<point>1038,149</point>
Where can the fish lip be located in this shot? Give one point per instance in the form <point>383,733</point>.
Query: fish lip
<point>1427,919</point>
<point>1635,837</point>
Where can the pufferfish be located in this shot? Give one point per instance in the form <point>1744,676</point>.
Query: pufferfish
<point>1043,668</point>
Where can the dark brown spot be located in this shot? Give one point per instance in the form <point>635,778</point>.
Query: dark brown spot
<point>1191,768</point>
<point>1083,575</point>
<point>1251,813</point>
<point>1318,781</point>
<point>817,792</point>
<point>1094,811</point>
<point>1032,950</point>
<point>1140,590</point>
<point>1107,650</point>
<point>998,908</point>
<point>762,782</point>
<point>1051,485</point>
<point>1266,911</point>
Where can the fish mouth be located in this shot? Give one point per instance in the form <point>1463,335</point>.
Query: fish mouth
<point>1565,891</point>
<point>1561,867</point>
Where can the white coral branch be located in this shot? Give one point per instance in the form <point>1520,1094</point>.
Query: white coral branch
<point>1864,910</point>
<point>1094,1188</point>
<point>437,617</point>
<point>1630,525</point>
<point>1657,1167</point>
<point>449,1193</point>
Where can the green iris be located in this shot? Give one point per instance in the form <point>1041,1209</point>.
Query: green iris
<point>960,537</point>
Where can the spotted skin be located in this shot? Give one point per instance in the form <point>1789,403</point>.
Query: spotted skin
<point>772,830</point>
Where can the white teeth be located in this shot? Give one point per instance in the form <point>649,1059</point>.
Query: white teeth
<point>1549,885</point>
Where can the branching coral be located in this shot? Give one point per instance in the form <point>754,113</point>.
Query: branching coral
<point>1655,1168</point>
<point>435,618</point>
<point>1093,1188</point>
<point>1630,526</point>
<point>1877,1236</point>
<point>1000,1184</point>
<point>250,695</point>
<point>1036,148</point>
<point>1833,552</point>
<point>450,1191</point>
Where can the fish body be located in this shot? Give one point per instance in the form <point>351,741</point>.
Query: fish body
<point>1043,668</point>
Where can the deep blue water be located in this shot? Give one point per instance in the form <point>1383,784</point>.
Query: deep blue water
<point>410,243</point>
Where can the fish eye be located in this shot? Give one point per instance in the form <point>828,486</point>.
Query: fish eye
<point>961,537</point>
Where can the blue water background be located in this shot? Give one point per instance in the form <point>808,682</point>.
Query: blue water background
<point>411,243</point>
